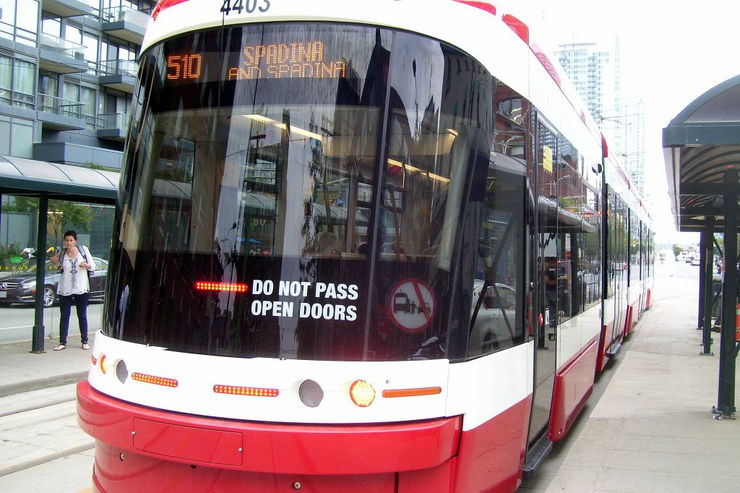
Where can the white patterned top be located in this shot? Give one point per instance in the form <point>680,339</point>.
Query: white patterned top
<point>74,278</point>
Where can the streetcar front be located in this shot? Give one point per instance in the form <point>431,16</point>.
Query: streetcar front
<point>315,256</point>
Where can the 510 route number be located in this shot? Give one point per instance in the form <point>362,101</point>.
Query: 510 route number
<point>250,6</point>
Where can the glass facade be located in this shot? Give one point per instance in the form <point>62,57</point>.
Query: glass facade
<point>72,70</point>
<point>20,20</point>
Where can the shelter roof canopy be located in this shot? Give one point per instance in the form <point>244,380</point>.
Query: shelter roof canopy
<point>701,143</point>
<point>20,176</point>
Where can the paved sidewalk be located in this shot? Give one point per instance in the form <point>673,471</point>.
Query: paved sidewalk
<point>22,371</point>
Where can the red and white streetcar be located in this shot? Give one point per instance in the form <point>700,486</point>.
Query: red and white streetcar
<point>359,246</point>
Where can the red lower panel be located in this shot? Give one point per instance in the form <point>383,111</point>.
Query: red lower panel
<point>635,310</point>
<point>573,386</point>
<point>492,455</point>
<point>188,443</point>
<point>267,447</point>
<point>601,358</point>
<point>633,315</point>
<point>438,479</point>
<point>649,299</point>
<point>628,321</point>
<point>123,471</point>
<point>141,450</point>
<point>117,471</point>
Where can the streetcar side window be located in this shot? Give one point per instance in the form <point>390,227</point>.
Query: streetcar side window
<point>634,249</point>
<point>497,305</point>
<point>570,236</point>
<point>511,111</point>
<point>590,265</point>
<point>618,242</point>
<point>497,320</point>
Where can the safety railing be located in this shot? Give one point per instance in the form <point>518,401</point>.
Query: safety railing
<point>113,120</point>
<point>15,98</point>
<point>119,67</point>
<point>62,47</point>
<point>59,106</point>
<point>126,14</point>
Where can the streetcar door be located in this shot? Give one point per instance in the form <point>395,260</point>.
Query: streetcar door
<point>547,251</point>
<point>616,269</point>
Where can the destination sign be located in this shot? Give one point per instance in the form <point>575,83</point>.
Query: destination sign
<point>290,60</point>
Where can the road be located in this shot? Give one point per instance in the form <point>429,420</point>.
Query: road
<point>16,322</point>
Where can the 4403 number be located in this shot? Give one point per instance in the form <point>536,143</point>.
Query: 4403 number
<point>248,6</point>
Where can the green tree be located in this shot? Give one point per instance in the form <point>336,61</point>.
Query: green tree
<point>61,213</point>
<point>677,249</point>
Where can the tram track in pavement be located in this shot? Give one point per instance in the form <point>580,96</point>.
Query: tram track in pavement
<point>4,413</point>
<point>38,427</point>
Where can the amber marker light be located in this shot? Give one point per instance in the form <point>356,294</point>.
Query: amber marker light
<point>245,391</point>
<point>93,360</point>
<point>411,392</point>
<point>103,365</point>
<point>362,393</point>
<point>154,380</point>
<point>221,286</point>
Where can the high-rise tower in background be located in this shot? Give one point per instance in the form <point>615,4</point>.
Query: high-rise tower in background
<point>596,73</point>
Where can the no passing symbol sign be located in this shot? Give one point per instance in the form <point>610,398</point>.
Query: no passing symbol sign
<point>411,305</point>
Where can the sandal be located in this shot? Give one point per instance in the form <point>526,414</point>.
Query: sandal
<point>85,346</point>
<point>60,347</point>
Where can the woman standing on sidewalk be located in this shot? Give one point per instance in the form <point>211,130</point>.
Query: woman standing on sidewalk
<point>74,286</point>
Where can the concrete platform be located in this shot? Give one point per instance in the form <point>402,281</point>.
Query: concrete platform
<point>653,429</point>
<point>23,371</point>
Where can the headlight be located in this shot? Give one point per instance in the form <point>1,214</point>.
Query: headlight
<point>31,283</point>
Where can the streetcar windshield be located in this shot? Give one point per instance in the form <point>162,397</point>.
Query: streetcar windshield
<point>306,191</point>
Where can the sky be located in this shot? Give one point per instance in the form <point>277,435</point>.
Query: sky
<point>672,52</point>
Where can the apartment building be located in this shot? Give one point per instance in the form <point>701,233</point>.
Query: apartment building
<point>597,75</point>
<point>67,73</point>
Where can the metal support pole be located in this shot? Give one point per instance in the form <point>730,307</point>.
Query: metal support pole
<point>707,285</point>
<point>726,399</point>
<point>702,281</point>
<point>38,321</point>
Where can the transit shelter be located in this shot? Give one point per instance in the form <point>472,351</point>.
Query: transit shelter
<point>702,157</point>
<point>45,181</point>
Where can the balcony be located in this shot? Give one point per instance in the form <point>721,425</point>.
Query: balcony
<point>113,126</point>
<point>125,23</point>
<point>118,74</point>
<point>66,8</point>
<point>61,56</point>
<point>68,152</point>
<point>17,99</point>
<point>60,114</point>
